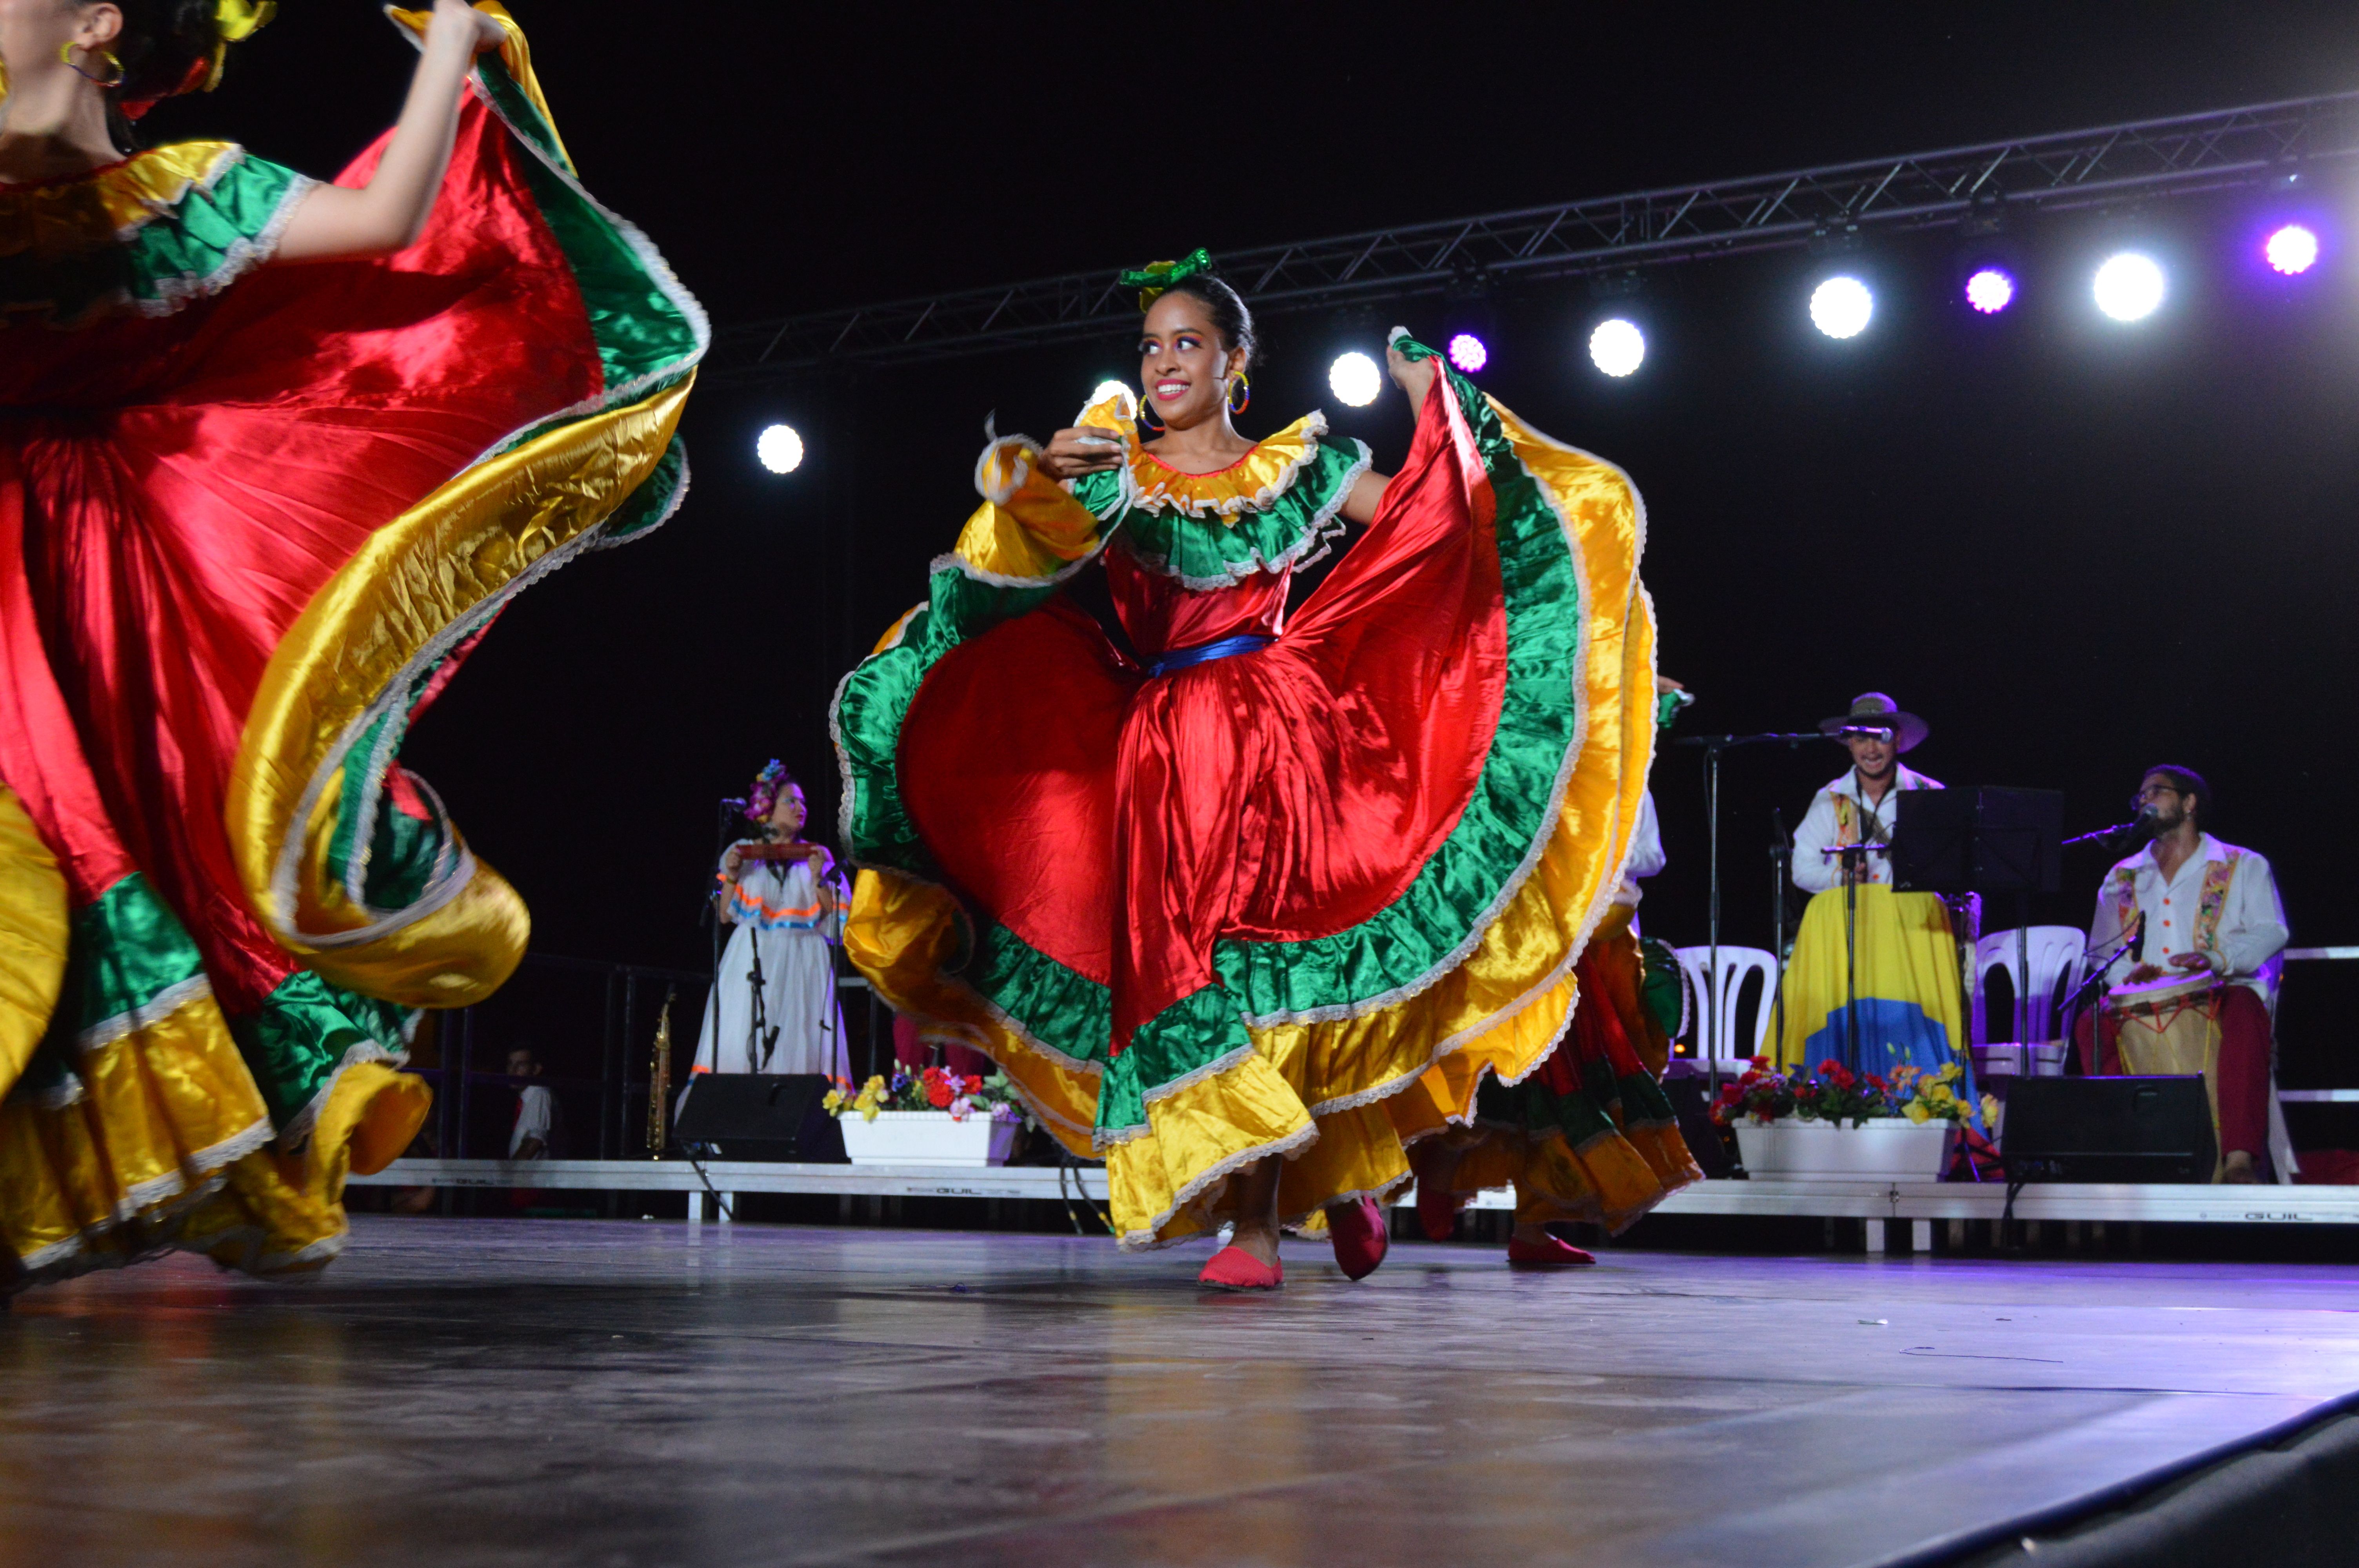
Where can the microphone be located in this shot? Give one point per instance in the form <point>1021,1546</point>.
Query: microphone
<point>2116,831</point>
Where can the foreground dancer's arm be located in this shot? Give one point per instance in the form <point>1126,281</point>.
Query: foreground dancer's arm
<point>389,212</point>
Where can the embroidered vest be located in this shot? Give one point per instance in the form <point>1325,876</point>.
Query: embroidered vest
<point>2209,902</point>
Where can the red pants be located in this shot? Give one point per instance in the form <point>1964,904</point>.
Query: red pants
<point>2243,1090</point>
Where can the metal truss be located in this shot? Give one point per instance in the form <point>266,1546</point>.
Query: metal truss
<point>2150,159</point>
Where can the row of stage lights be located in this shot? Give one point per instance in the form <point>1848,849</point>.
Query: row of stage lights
<point>2128,286</point>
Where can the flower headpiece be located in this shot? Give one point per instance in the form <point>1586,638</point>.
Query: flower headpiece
<point>763,798</point>
<point>234,21</point>
<point>1153,278</point>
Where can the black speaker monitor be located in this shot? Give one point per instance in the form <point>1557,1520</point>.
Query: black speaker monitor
<point>761,1116</point>
<point>2108,1130</point>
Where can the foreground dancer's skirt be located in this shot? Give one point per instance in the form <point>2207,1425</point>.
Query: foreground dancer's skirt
<point>1208,911</point>
<point>251,521</point>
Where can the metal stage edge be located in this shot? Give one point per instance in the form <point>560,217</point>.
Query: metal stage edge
<point>2153,1203</point>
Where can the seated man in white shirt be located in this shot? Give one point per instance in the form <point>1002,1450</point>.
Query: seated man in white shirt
<point>1909,1009</point>
<point>2197,906</point>
<point>534,1135</point>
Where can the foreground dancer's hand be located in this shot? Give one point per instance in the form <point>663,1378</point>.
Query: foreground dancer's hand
<point>389,212</point>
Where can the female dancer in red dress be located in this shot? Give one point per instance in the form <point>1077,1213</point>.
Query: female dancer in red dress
<point>252,514</point>
<point>1249,913</point>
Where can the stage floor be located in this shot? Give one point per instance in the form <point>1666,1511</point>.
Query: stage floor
<point>478,1391</point>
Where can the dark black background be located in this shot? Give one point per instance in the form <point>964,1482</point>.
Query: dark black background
<point>2075,547</point>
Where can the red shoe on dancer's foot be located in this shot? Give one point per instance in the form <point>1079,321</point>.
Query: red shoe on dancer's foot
<point>1357,1230</point>
<point>1235,1268</point>
<point>1437,1211</point>
<point>1552,1254</point>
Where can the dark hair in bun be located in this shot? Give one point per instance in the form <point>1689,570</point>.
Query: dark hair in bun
<point>162,45</point>
<point>1227,309</point>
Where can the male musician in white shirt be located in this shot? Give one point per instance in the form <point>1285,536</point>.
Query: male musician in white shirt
<point>2198,907</point>
<point>1862,806</point>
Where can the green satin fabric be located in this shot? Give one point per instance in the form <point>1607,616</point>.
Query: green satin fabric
<point>298,1041</point>
<point>1204,551</point>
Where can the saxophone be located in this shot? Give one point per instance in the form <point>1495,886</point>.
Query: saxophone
<point>659,1076</point>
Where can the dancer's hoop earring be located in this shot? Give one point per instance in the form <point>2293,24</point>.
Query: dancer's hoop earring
<point>65,53</point>
<point>1237,384</point>
<point>1147,416</point>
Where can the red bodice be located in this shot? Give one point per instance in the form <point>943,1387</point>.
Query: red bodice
<point>1160,615</point>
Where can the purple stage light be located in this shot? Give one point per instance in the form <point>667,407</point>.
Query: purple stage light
<point>1467,353</point>
<point>1990,290</point>
<point>2292,250</point>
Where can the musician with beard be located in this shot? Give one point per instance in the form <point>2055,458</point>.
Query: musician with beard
<point>2200,911</point>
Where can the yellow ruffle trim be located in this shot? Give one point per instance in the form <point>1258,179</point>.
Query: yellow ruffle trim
<point>69,217</point>
<point>167,1147</point>
<point>418,576</point>
<point>34,926</point>
<point>1340,1099</point>
<point>1253,483</point>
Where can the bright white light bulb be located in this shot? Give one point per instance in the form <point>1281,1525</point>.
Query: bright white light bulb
<point>1356,379</point>
<point>1467,353</point>
<point>1990,291</point>
<point>779,448</point>
<point>1841,305</point>
<point>2129,286</point>
<point>1108,389</point>
<point>2292,249</point>
<point>1617,347</point>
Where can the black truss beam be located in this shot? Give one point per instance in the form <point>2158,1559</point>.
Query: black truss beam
<point>2191,155</point>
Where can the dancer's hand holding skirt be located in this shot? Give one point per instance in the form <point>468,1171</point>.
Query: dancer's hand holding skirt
<point>1303,901</point>
<point>252,518</point>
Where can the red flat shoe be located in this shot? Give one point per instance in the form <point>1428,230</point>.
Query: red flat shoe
<point>1556,1254</point>
<point>1235,1268</point>
<point>1357,1230</point>
<point>1437,1211</point>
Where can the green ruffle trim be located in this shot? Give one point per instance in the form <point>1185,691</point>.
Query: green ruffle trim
<point>1514,806</point>
<point>1193,1039</point>
<point>221,229</point>
<point>307,1033</point>
<point>130,963</point>
<point>1212,553</point>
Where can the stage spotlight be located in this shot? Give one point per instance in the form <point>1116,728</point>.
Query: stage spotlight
<point>779,448</point>
<point>1990,290</point>
<point>1356,379</point>
<point>1107,389</point>
<point>1467,353</point>
<point>1841,305</point>
<point>2129,286</point>
<point>2292,249</point>
<point>1617,347</point>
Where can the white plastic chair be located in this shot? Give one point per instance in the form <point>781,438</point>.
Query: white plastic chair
<point>1737,965</point>
<point>2058,963</point>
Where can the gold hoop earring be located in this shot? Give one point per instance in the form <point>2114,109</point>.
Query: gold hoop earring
<point>65,53</point>
<point>1238,383</point>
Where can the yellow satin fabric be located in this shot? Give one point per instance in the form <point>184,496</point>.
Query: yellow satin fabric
<point>1028,528</point>
<point>419,574</point>
<point>516,54</point>
<point>33,936</point>
<point>168,1146</point>
<point>1250,484</point>
<point>74,216</point>
<point>1402,1071</point>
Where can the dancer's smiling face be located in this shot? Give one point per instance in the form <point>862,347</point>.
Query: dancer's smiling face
<point>1182,362</point>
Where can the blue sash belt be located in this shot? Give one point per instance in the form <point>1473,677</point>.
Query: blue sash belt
<point>1204,654</point>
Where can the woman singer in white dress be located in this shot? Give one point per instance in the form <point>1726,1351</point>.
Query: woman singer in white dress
<point>788,910</point>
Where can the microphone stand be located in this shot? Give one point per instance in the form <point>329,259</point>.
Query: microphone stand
<point>1714,745</point>
<point>2089,983</point>
<point>1781,871</point>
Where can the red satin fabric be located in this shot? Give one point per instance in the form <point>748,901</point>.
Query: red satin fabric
<point>174,491</point>
<point>1159,615</point>
<point>1123,825</point>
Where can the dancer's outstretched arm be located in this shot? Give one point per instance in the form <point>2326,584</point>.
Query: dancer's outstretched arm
<point>390,211</point>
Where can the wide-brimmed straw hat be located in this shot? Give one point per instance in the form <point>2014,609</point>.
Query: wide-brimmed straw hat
<point>1874,710</point>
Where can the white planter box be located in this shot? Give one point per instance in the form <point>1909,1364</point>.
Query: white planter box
<point>1886,1147</point>
<point>926,1138</point>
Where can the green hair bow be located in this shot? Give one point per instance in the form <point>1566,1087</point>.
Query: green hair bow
<point>1153,278</point>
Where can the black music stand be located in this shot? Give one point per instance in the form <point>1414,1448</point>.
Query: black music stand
<point>1985,840</point>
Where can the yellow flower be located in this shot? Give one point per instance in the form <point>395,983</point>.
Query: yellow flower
<point>868,1109</point>
<point>1951,1073</point>
<point>1990,1110</point>
<point>834,1103</point>
<point>1918,1113</point>
<point>874,1086</point>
